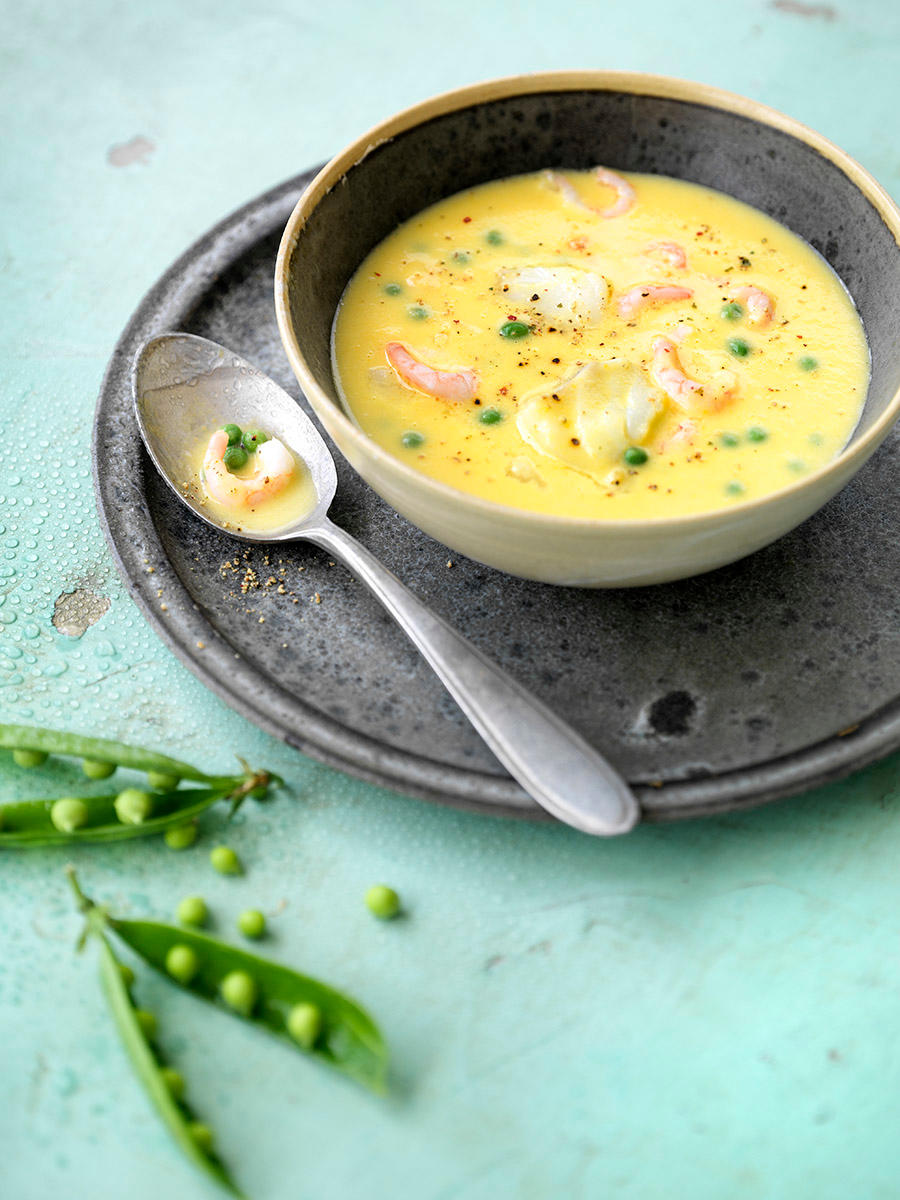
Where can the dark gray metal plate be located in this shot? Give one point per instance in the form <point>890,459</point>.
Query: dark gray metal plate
<point>728,690</point>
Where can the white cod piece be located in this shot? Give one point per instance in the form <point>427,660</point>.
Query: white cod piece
<point>558,295</point>
<point>588,420</point>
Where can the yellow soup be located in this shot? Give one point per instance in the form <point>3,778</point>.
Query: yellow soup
<point>589,344</point>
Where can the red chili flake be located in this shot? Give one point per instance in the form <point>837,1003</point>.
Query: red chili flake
<point>466,220</point>
<point>504,390</point>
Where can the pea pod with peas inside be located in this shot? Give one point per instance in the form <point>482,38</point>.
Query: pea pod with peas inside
<point>262,992</point>
<point>43,742</point>
<point>162,1084</point>
<point>127,813</point>
<point>305,1013</point>
<point>265,994</point>
<point>32,823</point>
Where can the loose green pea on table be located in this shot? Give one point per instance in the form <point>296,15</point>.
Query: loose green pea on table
<point>225,861</point>
<point>382,901</point>
<point>192,911</point>
<point>252,923</point>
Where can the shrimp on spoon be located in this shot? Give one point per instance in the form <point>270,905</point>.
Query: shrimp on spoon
<point>275,469</point>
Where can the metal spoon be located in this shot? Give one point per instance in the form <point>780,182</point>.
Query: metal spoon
<point>184,387</point>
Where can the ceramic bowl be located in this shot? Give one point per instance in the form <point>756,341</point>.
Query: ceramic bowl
<point>628,122</point>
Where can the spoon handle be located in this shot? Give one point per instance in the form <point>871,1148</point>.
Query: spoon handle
<point>553,764</point>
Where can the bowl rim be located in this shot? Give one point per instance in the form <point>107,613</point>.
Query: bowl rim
<point>850,459</point>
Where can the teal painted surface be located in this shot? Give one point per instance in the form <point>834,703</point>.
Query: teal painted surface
<point>706,1010</point>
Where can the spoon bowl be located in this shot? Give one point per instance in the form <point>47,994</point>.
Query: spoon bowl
<point>184,388</point>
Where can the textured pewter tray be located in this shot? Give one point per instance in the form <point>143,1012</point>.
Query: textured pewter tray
<point>709,694</point>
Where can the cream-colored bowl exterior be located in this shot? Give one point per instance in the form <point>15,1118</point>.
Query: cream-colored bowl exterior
<point>572,550</point>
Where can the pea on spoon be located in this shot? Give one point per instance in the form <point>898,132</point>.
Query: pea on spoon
<point>185,387</point>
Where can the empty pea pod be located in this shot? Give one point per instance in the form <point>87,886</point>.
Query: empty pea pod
<point>349,1041</point>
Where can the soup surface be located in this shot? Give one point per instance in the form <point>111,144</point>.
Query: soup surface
<point>599,345</point>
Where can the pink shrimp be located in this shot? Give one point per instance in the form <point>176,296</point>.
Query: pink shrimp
<point>687,393</point>
<point>686,431</point>
<point>760,305</point>
<point>623,189</point>
<point>274,469</point>
<point>444,385</point>
<point>672,252</point>
<point>642,295</point>
<point>669,375</point>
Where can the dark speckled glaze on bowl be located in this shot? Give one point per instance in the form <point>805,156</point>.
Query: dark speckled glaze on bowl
<point>753,682</point>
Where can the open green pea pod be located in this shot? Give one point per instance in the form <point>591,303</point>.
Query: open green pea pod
<point>29,823</point>
<point>349,1041</point>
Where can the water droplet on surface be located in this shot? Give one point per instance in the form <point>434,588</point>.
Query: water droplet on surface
<point>31,631</point>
